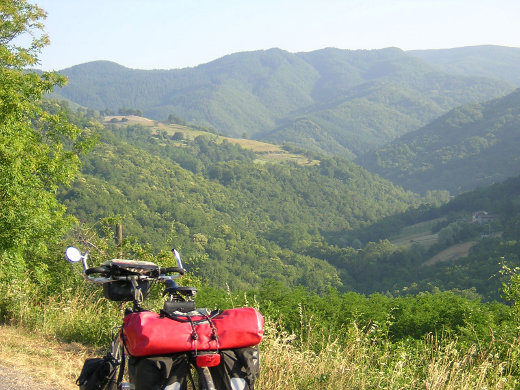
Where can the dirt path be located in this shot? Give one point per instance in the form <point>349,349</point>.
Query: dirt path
<point>29,358</point>
<point>14,379</point>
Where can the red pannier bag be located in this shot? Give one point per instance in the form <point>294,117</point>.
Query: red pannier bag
<point>147,333</point>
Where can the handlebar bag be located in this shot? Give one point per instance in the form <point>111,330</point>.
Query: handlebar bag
<point>119,267</point>
<point>122,290</point>
<point>147,333</point>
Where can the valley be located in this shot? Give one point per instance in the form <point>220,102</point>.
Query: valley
<point>365,202</point>
<point>300,196</point>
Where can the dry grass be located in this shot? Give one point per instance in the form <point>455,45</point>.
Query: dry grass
<point>53,363</point>
<point>131,119</point>
<point>365,361</point>
<point>267,152</point>
<point>452,253</point>
<point>368,363</point>
<point>256,146</point>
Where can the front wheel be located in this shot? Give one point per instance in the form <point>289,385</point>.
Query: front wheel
<point>117,354</point>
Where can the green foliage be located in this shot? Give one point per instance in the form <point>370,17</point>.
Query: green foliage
<point>473,145</point>
<point>331,101</point>
<point>238,221</point>
<point>379,266</point>
<point>39,152</point>
<point>39,147</point>
<point>129,111</point>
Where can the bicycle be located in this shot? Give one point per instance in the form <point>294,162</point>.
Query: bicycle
<point>179,347</point>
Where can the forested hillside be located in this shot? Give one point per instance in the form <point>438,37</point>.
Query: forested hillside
<point>350,100</point>
<point>473,145</point>
<point>240,221</point>
<point>496,62</point>
<point>387,263</point>
<point>319,224</point>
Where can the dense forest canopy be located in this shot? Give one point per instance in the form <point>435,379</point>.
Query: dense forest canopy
<point>212,199</point>
<point>242,221</point>
<point>471,146</point>
<point>352,101</point>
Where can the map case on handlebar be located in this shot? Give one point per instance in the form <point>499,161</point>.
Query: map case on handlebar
<point>122,290</point>
<point>120,267</point>
<point>147,333</point>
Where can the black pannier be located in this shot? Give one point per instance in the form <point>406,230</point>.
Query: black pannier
<point>159,372</point>
<point>238,369</point>
<point>98,374</point>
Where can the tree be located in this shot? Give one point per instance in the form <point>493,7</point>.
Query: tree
<point>38,150</point>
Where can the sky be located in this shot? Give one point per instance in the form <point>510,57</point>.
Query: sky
<point>170,34</point>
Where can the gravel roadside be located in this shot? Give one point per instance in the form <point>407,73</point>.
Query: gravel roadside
<point>31,360</point>
<point>14,379</point>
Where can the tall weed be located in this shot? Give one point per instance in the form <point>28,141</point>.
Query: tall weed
<point>365,361</point>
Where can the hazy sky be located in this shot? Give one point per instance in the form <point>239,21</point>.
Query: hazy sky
<point>166,34</point>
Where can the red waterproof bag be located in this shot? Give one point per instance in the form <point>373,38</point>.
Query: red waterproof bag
<point>147,333</point>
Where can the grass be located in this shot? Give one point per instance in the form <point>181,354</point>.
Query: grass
<point>266,152</point>
<point>452,253</point>
<point>364,361</point>
<point>50,338</point>
<point>42,357</point>
<point>367,362</point>
<point>419,233</point>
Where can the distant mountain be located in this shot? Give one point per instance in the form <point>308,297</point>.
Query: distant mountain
<point>473,145</point>
<point>334,101</point>
<point>498,62</point>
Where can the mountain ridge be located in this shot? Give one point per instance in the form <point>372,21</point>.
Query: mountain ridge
<point>500,62</point>
<point>472,145</point>
<point>261,92</point>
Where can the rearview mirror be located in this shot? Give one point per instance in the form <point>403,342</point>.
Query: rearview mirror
<point>73,254</point>
<point>178,258</point>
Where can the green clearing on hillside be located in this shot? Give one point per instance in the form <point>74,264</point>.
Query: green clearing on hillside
<point>267,152</point>
<point>454,252</point>
<point>419,233</point>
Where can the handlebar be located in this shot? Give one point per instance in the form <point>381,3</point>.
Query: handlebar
<point>162,272</point>
<point>74,255</point>
<point>169,270</point>
<point>137,275</point>
<point>107,279</point>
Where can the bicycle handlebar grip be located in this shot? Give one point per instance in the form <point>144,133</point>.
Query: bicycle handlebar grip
<point>96,270</point>
<point>169,270</point>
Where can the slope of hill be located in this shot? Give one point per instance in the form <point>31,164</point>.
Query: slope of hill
<point>323,224</point>
<point>355,100</point>
<point>241,221</point>
<point>430,248</point>
<point>473,145</point>
<point>496,62</point>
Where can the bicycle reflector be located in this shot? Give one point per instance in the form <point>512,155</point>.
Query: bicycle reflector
<point>208,360</point>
